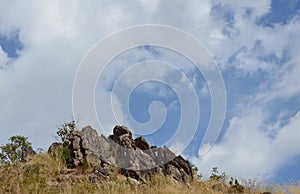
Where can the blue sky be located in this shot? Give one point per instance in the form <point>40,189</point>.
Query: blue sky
<point>11,44</point>
<point>254,44</point>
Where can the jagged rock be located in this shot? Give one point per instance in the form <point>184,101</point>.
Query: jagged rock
<point>96,147</point>
<point>122,136</point>
<point>121,130</point>
<point>77,150</point>
<point>162,155</point>
<point>180,163</point>
<point>174,172</point>
<point>141,143</point>
<point>136,158</point>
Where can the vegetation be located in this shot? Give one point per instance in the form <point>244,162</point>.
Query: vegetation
<point>12,151</point>
<point>49,173</point>
<point>46,174</point>
<point>65,131</point>
<point>63,153</point>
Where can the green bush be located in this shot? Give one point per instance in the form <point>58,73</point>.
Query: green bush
<point>65,131</point>
<point>215,176</point>
<point>12,151</point>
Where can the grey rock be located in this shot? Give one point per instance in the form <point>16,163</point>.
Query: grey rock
<point>180,163</point>
<point>162,155</point>
<point>103,171</point>
<point>78,152</point>
<point>137,159</point>
<point>141,143</point>
<point>122,136</point>
<point>96,147</point>
<point>174,172</point>
<point>121,130</point>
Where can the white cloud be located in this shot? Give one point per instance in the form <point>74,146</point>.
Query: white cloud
<point>150,6</point>
<point>3,58</point>
<point>259,8</point>
<point>247,152</point>
<point>247,149</point>
<point>36,89</point>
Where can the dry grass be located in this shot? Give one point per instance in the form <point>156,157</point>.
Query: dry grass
<point>44,174</point>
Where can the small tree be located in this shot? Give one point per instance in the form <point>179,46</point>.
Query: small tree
<point>12,151</point>
<point>65,130</point>
<point>63,135</point>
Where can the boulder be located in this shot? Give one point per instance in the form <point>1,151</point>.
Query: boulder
<point>122,136</point>
<point>53,147</point>
<point>180,163</point>
<point>141,143</point>
<point>26,153</point>
<point>121,130</point>
<point>135,158</point>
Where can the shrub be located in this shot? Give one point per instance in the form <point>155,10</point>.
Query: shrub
<point>65,131</point>
<point>215,176</point>
<point>12,151</point>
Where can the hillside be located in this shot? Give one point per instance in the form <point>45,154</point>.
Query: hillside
<point>85,162</point>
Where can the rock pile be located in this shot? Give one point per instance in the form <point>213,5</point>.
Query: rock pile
<point>134,157</point>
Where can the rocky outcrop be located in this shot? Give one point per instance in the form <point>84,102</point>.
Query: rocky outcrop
<point>141,143</point>
<point>122,136</point>
<point>134,157</point>
<point>26,153</point>
<point>53,147</point>
<point>78,151</point>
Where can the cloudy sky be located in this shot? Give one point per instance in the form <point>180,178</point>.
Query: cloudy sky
<point>255,45</point>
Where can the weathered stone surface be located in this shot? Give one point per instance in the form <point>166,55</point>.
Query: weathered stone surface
<point>103,171</point>
<point>180,163</point>
<point>142,175</point>
<point>96,147</point>
<point>77,150</point>
<point>136,158</point>
<point>122,136</point>
<point>163,155</point>
<point>141,143</point>
<point>121,130</point>
<point>174,172</point>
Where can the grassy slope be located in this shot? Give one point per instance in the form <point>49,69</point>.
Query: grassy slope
<point>44,174</point>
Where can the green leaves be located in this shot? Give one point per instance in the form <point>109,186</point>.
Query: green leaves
<point>12,151</point>
<point>65,130</point>
<point>216,176</point>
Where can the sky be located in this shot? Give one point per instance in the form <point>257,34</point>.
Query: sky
<point>254,44</point>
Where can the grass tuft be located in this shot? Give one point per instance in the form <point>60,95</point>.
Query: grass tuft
<point>44,173</point>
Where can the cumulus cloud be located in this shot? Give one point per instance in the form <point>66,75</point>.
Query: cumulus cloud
<point>247,151</point>
<point>36,88</point>
<point>3,59</point>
